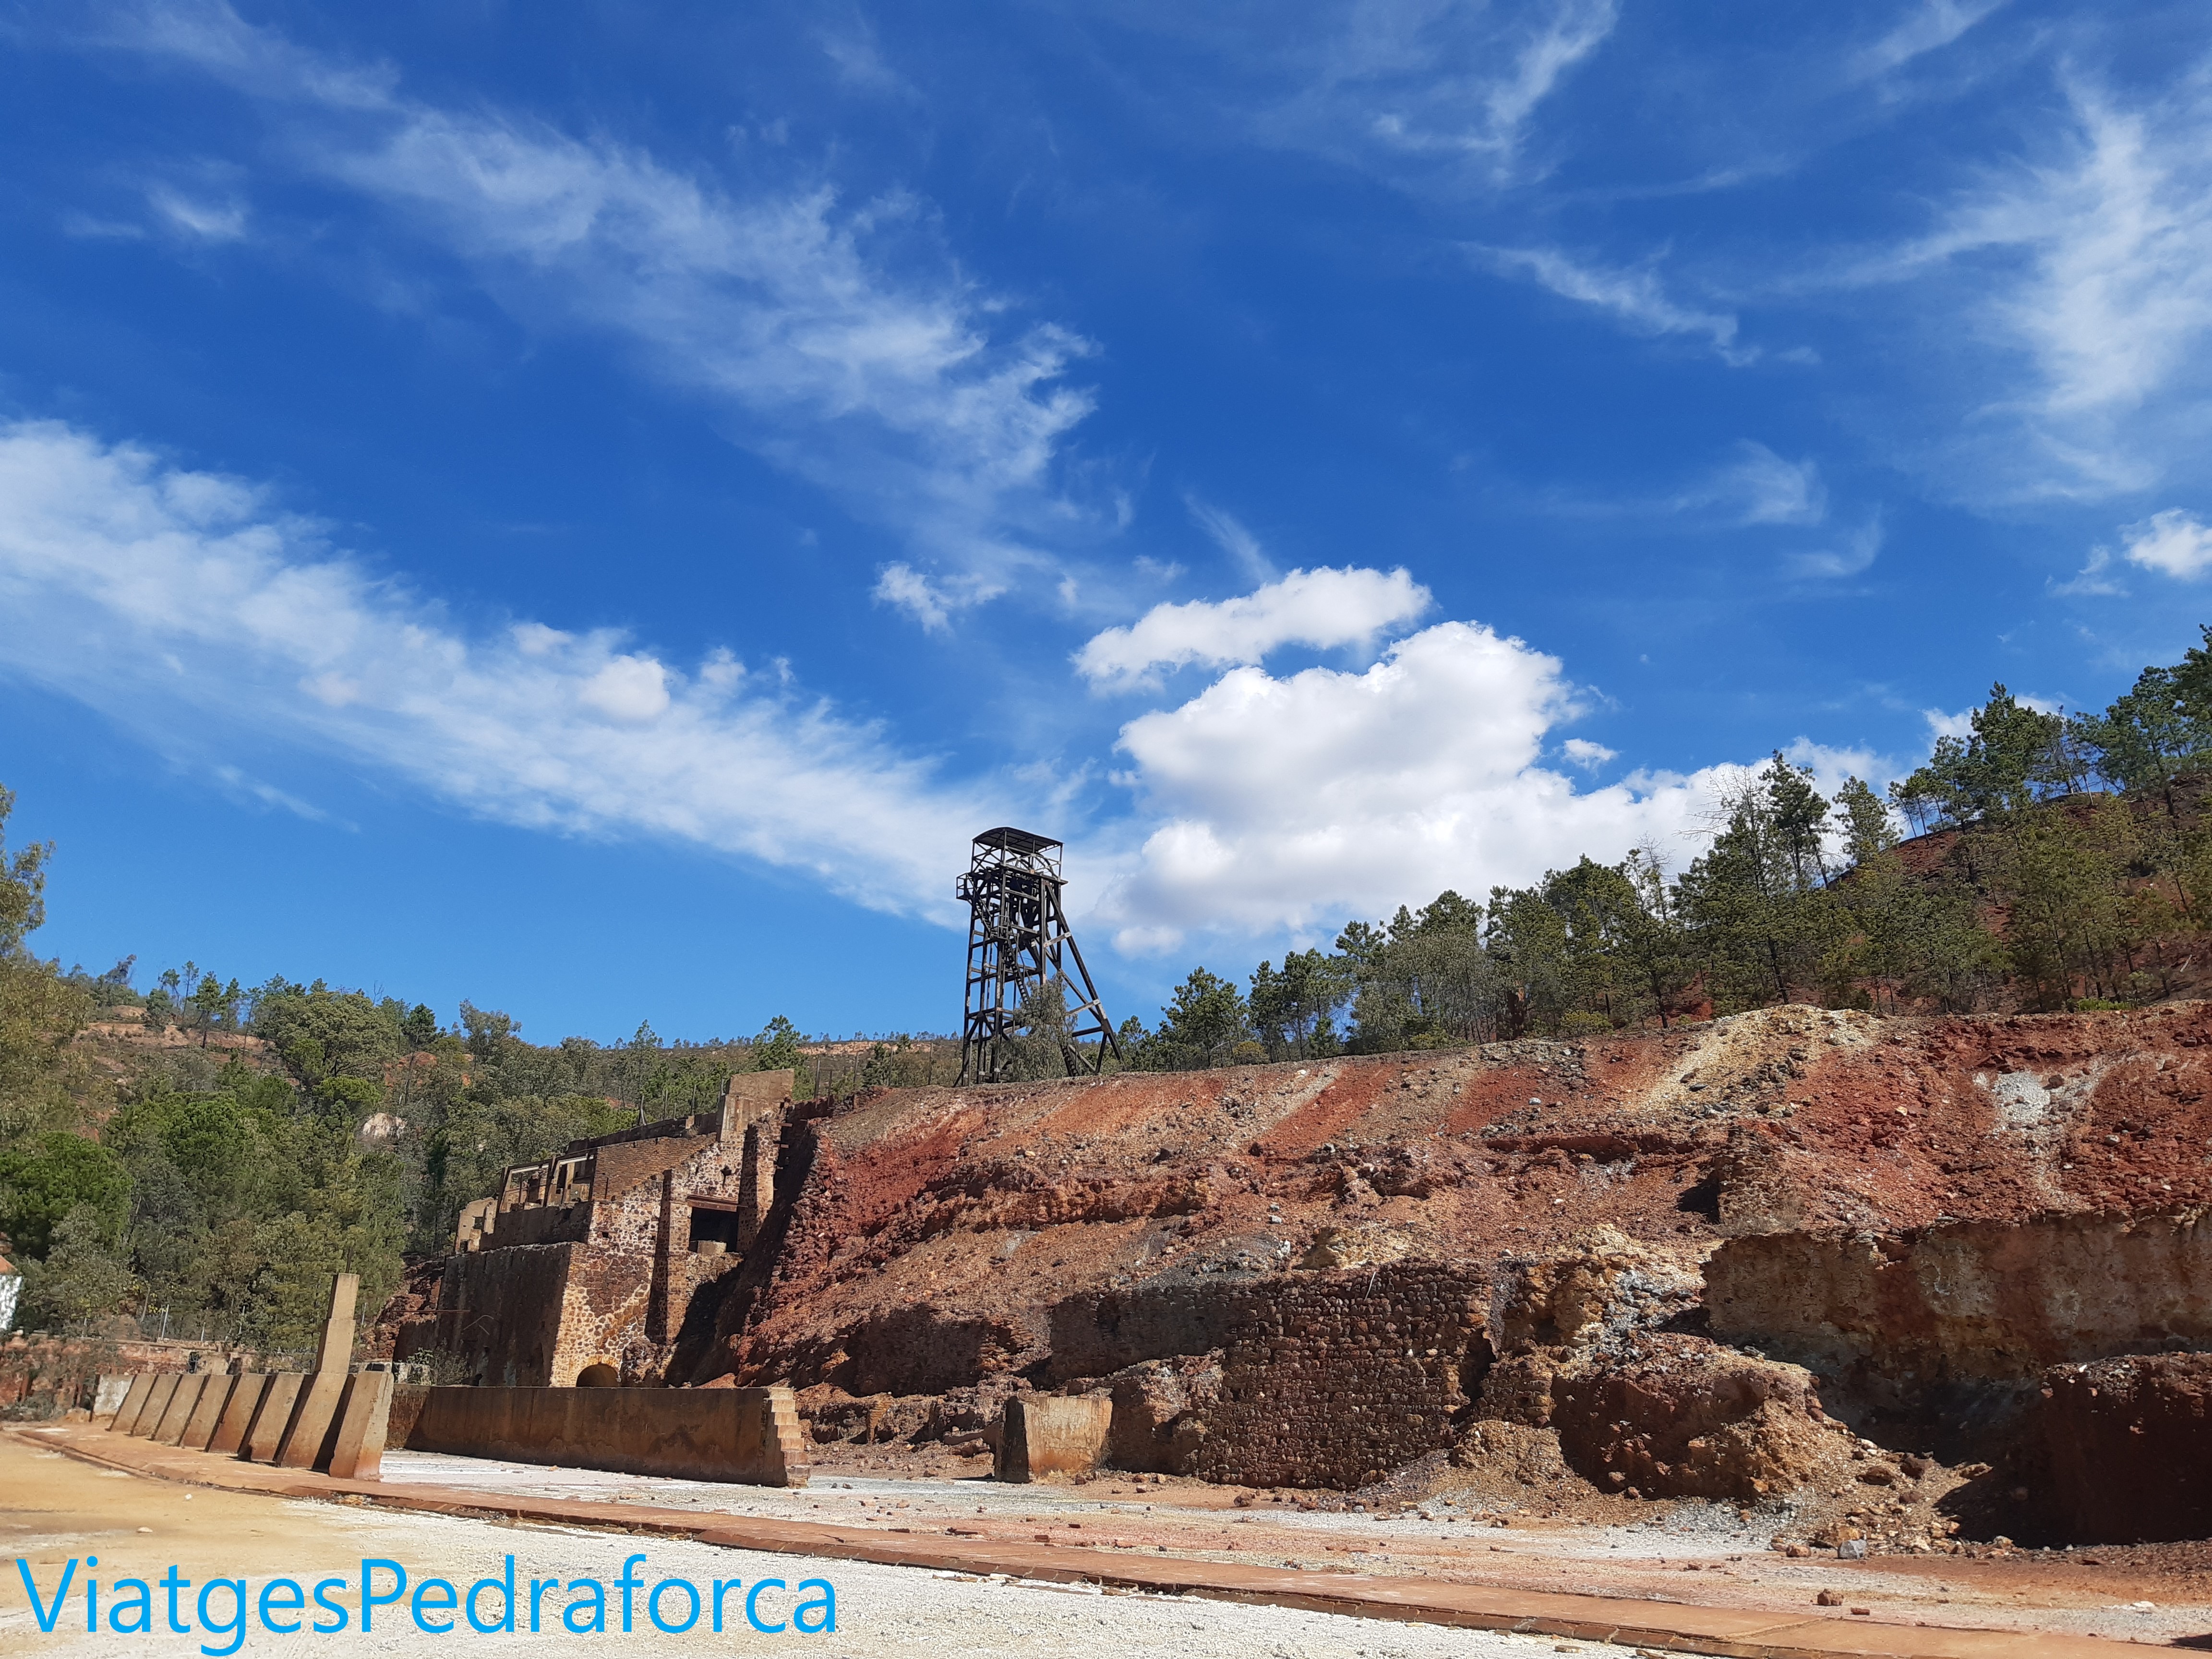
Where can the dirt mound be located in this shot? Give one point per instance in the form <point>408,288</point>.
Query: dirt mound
<point>1668,1415</point>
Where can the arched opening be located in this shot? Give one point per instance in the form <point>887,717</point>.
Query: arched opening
<point>599,1374</point>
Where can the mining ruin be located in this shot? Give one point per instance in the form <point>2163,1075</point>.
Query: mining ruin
<point>1907,1281</point>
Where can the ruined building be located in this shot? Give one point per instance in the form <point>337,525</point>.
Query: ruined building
<point>583,1269</point>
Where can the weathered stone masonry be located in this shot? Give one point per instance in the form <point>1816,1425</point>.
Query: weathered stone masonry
<point>584,1269</point>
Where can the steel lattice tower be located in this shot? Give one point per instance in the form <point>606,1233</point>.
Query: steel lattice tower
<point>1018,944</point>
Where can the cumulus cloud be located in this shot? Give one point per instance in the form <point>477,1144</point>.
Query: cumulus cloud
<point>1286,803</point>
<point>2174,542</point>
<point>1634,298</point>
<point>1321,608</point>
<point>180,602</point>
<point>855,357</point>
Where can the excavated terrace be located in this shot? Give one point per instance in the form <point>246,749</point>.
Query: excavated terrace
<point>1841,1267</point>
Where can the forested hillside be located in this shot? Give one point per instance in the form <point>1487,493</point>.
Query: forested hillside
<point>207,1154</point>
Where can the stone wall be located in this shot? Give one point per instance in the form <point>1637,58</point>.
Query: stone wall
<point>1328,1379</point>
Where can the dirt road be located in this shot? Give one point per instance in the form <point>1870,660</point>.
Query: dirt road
<point>53,1509</point>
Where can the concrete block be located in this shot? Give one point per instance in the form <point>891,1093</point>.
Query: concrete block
<point>748,1435</point>
<point>334,1349</point>
<point>108,1393</point>
<point>200,1427</point>
<point>165,1390</point>
<point>1052,1435</point>
<point>305,1436</point>
<point>178,1411</point>
<point>278,1401</point>
<point>231,1429</point>
<point>141,1384</point>
<point>357,1443</point>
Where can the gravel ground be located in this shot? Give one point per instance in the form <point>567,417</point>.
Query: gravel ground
<point>52,1509</point>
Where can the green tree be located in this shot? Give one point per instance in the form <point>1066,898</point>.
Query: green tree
<point>79,1276</point>
<point>419,1028</point>
<point>1200,1027</point>
<point>56,1174</point>
<point>22,883</point>
<point>776,1048</point>
<point>1294,1011</point>
<point>1758,914</point>
<point>1424,978</point>
<point>2014,757</point>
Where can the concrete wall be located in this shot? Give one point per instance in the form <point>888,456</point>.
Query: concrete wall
<point>499,1310</point>
<point>749,1436</point>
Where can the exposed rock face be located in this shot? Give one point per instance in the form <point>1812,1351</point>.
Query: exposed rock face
<point>2128,1444</point>
<point>1677,1416</point>
<point>1595,1291</point>
<point>1161,1414</point>
<point>1308,1275</point>
<point>1630,1406</point>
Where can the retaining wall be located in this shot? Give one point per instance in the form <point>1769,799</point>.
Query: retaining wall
<point>747,1436</point>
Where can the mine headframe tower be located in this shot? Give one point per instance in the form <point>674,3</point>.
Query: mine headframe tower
<point>1018,944</point>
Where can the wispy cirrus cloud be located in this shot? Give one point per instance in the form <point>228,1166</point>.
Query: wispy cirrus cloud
<point>1435,97</point>
<point>1756,486</point>
<point>1927,26</point>
<point>1634,297</point>
<point>189,607</point>
<point>853,351</point>
<point>2077,281</point>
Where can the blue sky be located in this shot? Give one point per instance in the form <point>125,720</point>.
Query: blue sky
<point>588,508</point>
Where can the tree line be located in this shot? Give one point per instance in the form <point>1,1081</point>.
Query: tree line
<point>2055,861</point>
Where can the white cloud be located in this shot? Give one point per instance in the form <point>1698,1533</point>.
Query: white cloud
<point>181,603</point>
<point>1322,607</point>
<point>1634,298</point>
<point>1928,27</point>
<point>1940,724</point>
<point>2091,582</point>
<point>1431,79</point>
<point>1587,755</point>
<point>2088,272</point>
<point>1435,96</point>
<point>1759,487</point>
<point>1287,803</point>
<point>857,357</point>
<point>210,221</point>
<point>1234,539</point>
<point>1857,552</point>
<point>2174,542</point>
